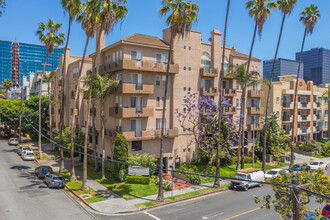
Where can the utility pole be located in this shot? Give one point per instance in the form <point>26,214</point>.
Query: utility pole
<point>295,202</point>
<point>20,117</point>
<point>253,133</point>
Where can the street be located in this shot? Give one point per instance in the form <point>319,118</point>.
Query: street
<point>23,196</point>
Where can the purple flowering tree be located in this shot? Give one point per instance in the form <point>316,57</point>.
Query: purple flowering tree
<point>199,119</point>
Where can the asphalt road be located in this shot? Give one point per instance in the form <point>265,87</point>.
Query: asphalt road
<point>24,197</point>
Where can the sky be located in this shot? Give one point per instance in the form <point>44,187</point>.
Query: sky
<point>21,18</point>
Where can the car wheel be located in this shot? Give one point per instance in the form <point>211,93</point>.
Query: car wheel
<point>246,188</point>
<point>260,185</point>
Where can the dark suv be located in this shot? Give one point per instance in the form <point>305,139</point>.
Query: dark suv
<point>42,170</point>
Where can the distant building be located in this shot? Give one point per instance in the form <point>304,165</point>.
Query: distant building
<point>14,93</point>
<point>316,64</point>
<point>283,67</point>
<point>32,87</point>
<point>18,59</point>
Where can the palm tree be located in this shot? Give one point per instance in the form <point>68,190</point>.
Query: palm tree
<point>48,34</point>
<point>2,6</point>
<point>238,73</point>
<point>73,8</point>
<point>102,88</point>
<point>7,84</point>
<point>217,171</point>
<point>182,15</point>
<point>286,7</point>
<point>309,18</point>
<point>259,11</point>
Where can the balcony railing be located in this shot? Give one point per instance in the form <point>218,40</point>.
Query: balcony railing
<point>209,72</point>
<point>255,110</point>
<point>229,92</point>
<point>255,127</point>
<point>208,91</point>
<point>229,110</point>
<point>255,93</point>
<point>287,118</point>
<point>150,134</point>
<point>131,112</point>
<point>304,105</point>
<point>148,66</point>
<point>287,104</point>
<point>128,88</point>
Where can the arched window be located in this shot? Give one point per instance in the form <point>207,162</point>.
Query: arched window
<point>226,64</point>
<point>206,61</point>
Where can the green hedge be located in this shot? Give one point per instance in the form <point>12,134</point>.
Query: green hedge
<point>246,159</point>
<point>138,179</point>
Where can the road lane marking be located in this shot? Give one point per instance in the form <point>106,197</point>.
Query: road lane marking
<point>244,213</point>
<point>152,216</point>
<point>212,216</point>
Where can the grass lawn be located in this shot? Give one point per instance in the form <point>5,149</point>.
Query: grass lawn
<point>56,153</point>
<point>76,187</point>
<point>125,190</point>
<point>318,156</point>
<point>182,196</point>
<point>44,157</point>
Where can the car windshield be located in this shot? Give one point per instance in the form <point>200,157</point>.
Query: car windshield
<point>240,176</point>
<point>45,169</point>
<point>327,208</point>
<point>25,148</point>
<point>315,163</point>
<point>272,172</point>
<point>30,154</point>
<point>296,166</point>
<point>58,178</point>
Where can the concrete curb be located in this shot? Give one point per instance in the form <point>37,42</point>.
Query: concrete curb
<point>184,199</point>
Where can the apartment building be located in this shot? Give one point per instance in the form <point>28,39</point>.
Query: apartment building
<point>135,109</point>
<point>312,107</point>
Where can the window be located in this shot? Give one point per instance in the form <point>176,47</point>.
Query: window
<point>299,112</point>
<point>277,100</point>
<point>256,68</point>
<point>304,98</point>
<point>118,101</point>
<point>189,89</point>
<point>121,55</point>
<point>325,112</point>
<point>184,68</point>
<point>299,98</point>
<point>137,80</point>
<point>237,102</point>
<point>278,113</point>
<point>137,55</point>
<point>325,101</point>
<point>136,102</point>
<point>136,145</point>
<point>300,84</point>
<point>325,124</point>
<point>184,88</point>
<point>299,125</point>
<point>75,72</point>
<point>206,61</point>
<point>184,47</point>
<point>160,58</point>
<point>119,77</point>
<point>163,100</point>
<point>184,110</point>
<point>226,64</point>
<point>314,99</point>
<point>118,125</point>
<point>252,68</point>
<point>159,124</point>
<point>319,99</point>
<point>189,48</point>
<point>157,80</point>
<point>237,85</point>
<point>164,80</point>
<point>157,101</point>
<point>189,68</point>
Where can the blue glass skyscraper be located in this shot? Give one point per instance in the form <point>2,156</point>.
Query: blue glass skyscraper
<point>283,67</point>
<point>316,65</point>
<point>18,59</point>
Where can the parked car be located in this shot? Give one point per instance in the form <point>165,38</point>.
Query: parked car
<point>316,165</point>
<point>5,134</point>
<point>28,155</point>
<point>326,210</point>
<point>54,180</point>
<point>247,174</point>
<point>13,141</point>
<point>274,173</point>
<point>300,167</point>
<point>22,148</point>
<point>42,170</point>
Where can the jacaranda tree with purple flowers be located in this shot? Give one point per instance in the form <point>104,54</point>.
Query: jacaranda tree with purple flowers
<point>198,118</point>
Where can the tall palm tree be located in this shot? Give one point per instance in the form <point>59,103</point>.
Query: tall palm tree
<point>2,6</point>
<point>286,7</point>
<point>7,84</point>
<point>259,10</point>
<point>102,88</point>
<point>73,8</point>
<point>182,14</point>
<point>49,35</point>
<point>222,72</point>
<point>309,18</point>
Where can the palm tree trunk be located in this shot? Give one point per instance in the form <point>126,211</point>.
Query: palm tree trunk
<point>222,73</point>
<point>160,196</point>
<point>268,97</point>
<point>94,137</point>
<point>102,133</point>
<point>62,97</point>
<point>50,118</point>
<point>84,184</point>
<point>244,97</point>
<point>73,128</point>
<point>40,93</point>
<point>295,100</point>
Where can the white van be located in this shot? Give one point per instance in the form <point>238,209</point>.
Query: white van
<point>247,174</point>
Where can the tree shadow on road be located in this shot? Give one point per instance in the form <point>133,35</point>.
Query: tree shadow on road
<point>20,167</point>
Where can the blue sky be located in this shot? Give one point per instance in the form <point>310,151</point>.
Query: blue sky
<point>19,22</point>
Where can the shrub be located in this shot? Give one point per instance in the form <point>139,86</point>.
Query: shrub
<point>325,153</point>
<point>145,159</point>
<point>194,179</point>
<point>167,185</point>
<point>121,174</point>
<point>246,159</point>
<point>308,147</point>
<point>138,179</point>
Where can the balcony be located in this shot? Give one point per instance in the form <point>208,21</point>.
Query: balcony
<point>146,66</point>
<point>209,91</point>
<point>150,134</point>
<point>255,127</point>
<point>304,105</point>
<point>288,131</point>
<point>127,88</point>
<point>169,133</point>
<point>229,110</point>
<point>209,72</point>
<point>288,105</point>
<point>131,112</point>
<point>256,110</point>
<point>305,130</point>
<point>316,105</point>
<point>304,118</point>
<point>287,118</point>
<point>255,93</point>
<point>229,92</point>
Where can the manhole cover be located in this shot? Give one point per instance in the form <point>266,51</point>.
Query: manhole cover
<point>85,196</point>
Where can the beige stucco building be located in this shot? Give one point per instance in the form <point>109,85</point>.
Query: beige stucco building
<point>135,109</point>
<point>312,108</point>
